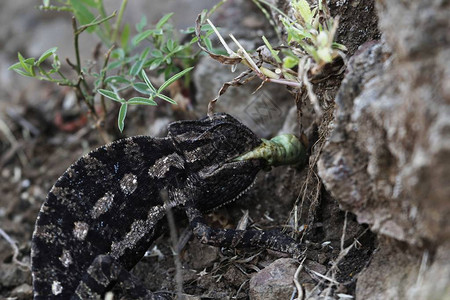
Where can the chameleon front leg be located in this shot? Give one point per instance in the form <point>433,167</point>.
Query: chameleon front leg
<point>103,273</point>
<point>272,239</point>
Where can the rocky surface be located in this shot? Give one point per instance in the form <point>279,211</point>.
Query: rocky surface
<point>388,156</point>
<point>276,281</point>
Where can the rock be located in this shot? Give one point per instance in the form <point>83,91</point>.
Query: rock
<point>397,271</point>
<point>201,256</point>
<point>23,291</point>
<point>234,276</point>
<point>387,158</point>
<point>11,275</point>
<point>275,281</point>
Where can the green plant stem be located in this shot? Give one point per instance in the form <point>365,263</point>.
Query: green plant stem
<point>102,81</point>
<point>78,90</point>
<point>62,75</point>
<point>95,23</point>
<point>81,82</point>
<point>119,20</point>
<point>77,51</point>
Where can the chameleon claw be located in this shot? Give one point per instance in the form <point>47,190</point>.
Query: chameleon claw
<point>285,149</point>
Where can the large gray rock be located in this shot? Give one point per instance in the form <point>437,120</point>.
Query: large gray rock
<point>388,156</point>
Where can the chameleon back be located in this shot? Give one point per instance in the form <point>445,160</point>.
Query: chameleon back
<point>79,220</point>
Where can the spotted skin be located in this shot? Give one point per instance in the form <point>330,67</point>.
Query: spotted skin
<point>105,211</point>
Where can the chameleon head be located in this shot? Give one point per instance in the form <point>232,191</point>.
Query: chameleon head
<point>209,146</point>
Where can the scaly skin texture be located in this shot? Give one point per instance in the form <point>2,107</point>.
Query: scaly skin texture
<point>104,212</point>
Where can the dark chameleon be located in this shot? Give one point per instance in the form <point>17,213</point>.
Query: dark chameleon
<point>104,212</point>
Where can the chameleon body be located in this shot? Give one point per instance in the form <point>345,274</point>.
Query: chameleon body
<point>105,211</point>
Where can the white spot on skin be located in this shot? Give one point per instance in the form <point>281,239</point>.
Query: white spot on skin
<point>80,230</point>
<point>56,288</point>
<point>163,165</point>
<point>102,205</point>
<point>139,229</point>
<point>66,258</point>
<point>128,183</point>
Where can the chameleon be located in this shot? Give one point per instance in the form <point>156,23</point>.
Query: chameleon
<point>104,212</point>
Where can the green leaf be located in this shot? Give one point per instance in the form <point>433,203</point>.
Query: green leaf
<point>45,55</point>
<point>26,64</point>
<point>178,48</point>
<point>23,73</point>
<point>16,66</point>
<point>142,23</point>
<point>208,43</point>
<point>163,20</point>
<point>142,88</point>
<point>136,67</point>
<point>46,3</point>
<point>207,27</point>
<point>165,98</point>
<point>188,30</point>
<point>339,46</point>
<point>157,32</point>
<point>157,53</point>
<point>56,64</point>
<point>169,70</point>
<point>111,95</point>
<point>156,63</point>
<point>114,65</point>
<point>144,53</point>
<point>290,62</point>
<point>302,6</point>
<point>30,61</point>
<point>141,36</point>
<point>272,51</point>
<point>125,36</point>
<point>170,45</point>
<point>83,15</point>
<point>91,3</point>
<point>22,61</point>
<point>141,101</point>
<point>118,53</point>
<point>117,79</point>
<point>147,81</point>
<point>173,79</point>
<point>194,40</point>
<point>122,115</point>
